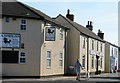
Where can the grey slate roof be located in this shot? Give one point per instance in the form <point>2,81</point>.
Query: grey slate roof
<point>19,9</point>
<point>80,28</point>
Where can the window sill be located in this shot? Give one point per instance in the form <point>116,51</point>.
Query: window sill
<point>48,67</point>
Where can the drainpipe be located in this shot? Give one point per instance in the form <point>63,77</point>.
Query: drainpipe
<point>87,53</point>
<point>65,52</point>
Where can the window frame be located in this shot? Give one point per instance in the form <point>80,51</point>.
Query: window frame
<point>101,64</point>
<point>84,42</point>
<point>97,46</point>
<point>60,59</point>
<point>48,59</point>
<point>22,57</point>
<point>83,61</point>
<point>92,62</point>
<point>101,47</point>
<point>92,44</point>
<point>61,34</point>
<point>23,24</point>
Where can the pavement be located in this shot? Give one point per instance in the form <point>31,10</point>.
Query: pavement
<point>102,78</point>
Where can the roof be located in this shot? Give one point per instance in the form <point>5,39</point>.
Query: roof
<point>22,10</point>
<point>18,9</point>
<point>80,28</point>
<point>112,44</point>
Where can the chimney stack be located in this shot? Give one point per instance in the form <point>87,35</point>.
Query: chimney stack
<point>100,34</point>
<point>89,25</point>
<point>70,16</point>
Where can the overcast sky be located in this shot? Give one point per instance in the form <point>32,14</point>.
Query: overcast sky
<point>104,14</point>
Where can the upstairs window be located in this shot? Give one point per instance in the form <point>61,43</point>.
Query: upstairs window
<point>23,25</point>
<point>101,47</point>
<point>61,34</point>
<point>92,44</point>
<point>97,46</point>
<point>84,42</point>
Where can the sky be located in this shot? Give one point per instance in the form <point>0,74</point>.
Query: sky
<point>103,14</point>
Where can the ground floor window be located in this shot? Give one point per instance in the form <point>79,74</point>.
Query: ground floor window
<point>48,59</point>
<point>61,59</point>
<point>83,61</point>
<point>22,58</point>
<point>101,60</point>
<point>92,64</point>
<point>9,57</point>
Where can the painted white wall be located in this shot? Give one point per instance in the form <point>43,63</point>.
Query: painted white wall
<point>115,55</point>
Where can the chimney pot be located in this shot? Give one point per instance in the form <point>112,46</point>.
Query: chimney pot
<point>100,34</point>
<point>68,11</point>
<point>89,25</point>
<point>70,16</point>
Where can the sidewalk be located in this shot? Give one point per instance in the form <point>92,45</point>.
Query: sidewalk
<point>104,76</point>
<point>107,75</point>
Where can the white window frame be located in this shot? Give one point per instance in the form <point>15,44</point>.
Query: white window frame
<point>60,59</point>
<point>48,59</point>
<point>83,42</point>
<point>61,34</point>
<point>22,57</point>
<point>92,44</point>
<point>92,62</point>
<point>83,61</point>
<point>23,24</point>
<point>97,46</point>
<point>101,47</point>
<point>101,60</point>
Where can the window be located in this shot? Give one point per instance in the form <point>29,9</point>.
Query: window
<point>115,51</point>
<point>9,56</point>
<point>22,59</point>
<point>101,62</point>
<point>48,59</point>
<point>7,19</point>
<point>61,34</point>
<point>61,59</point>
<point>97,46</point>
<point>83,61</point>
<point>101,47</point>
<point>92,44</point>
<point>92,62</point>
<point>112,51</point>
<point>84,42</point>
<point>23,24</point>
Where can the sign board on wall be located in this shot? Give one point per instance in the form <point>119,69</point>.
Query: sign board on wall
<point>92,52</point>
<point>50,33</point>
<point>9,40</point>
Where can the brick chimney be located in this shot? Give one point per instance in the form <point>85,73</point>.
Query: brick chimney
<point>70,16</point>
<point>100,34</point>
<point>89,25</point>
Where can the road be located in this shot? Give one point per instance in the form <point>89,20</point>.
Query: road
<point>103,78</point>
